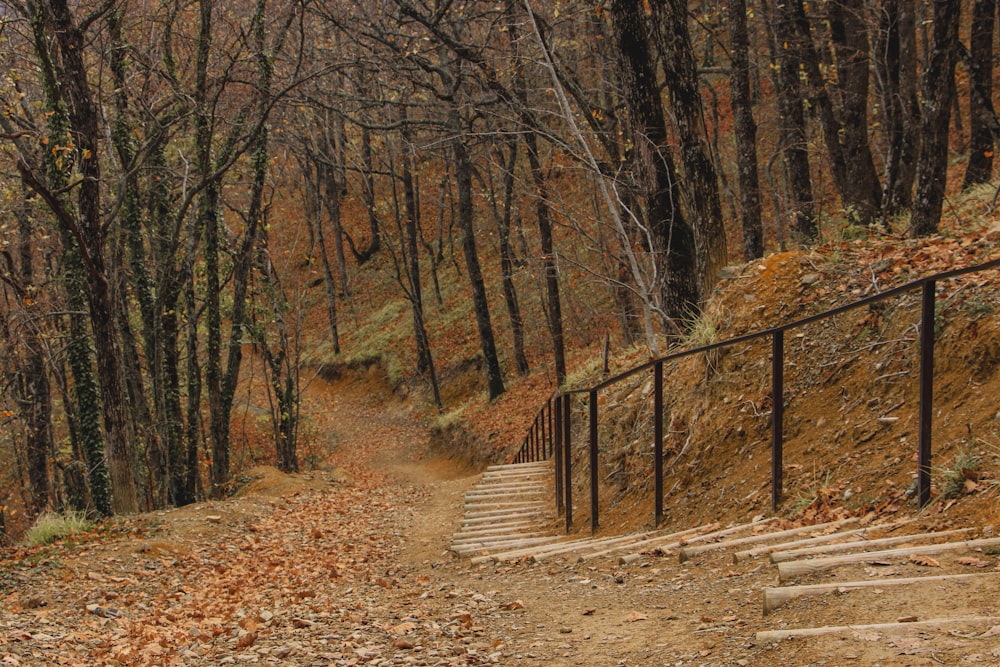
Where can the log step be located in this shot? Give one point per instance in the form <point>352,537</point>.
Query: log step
<point>793,568</point>
<point>776,596</point>
<point>687,553</point>
<point>931,624</point>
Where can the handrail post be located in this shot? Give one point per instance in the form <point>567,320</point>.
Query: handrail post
<point>926,393</point>
<point>534,440</point>
<point>552,434</point>
<point>557,452</point>
<point>777,413</point>
<point>542,424</point>
<point>568,461</point>
<point>658,443</point>
<point>593,462</point>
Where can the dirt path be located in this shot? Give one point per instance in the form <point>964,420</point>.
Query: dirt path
<point>348,565</point>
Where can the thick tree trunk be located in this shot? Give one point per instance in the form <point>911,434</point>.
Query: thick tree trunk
<point>849,31</point>
<point>463,178</point>
<point>982,142</point>
<point>938,94</point>
<point>701,183</point>
<point>90,235</point>
<point>655,171</point>
<point>791,122</point>
<point>746,132</point>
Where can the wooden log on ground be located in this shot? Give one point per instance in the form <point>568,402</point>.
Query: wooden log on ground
<point>822,539</point>
<point>930,624</point>
<point>513,554</point>
<point>781,556</point>
<point>665,543</point>
<point>497,539</point>
<point>794,568</point>
<point>677,536</point>
<point>472,508</point>
<point>687,553</point>
<point>468,549</point>
<point>518,466</point>
<point>775,596</point>
<point>489,494</point>
<point>509,527</point>
<point>600,543</point>
<point>500,517</point>
<point>624,560</point>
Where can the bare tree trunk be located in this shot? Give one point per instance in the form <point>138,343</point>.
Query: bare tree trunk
<point>701,183</point>
<point>938,94</point>
<point>507,257</point>
<point>409,245</point>
<point>746,132</point>
<point>791,122</point>
<point>982,142</point>
<point>463,178</point>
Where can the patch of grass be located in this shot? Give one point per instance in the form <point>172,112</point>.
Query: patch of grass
<point>964,466</point>
<point>703,329</point>
<point>50,527</point>
<point>446,419</point>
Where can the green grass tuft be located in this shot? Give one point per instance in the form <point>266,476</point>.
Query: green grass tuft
<point>50,527</point>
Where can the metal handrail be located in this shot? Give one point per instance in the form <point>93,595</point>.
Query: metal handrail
<point>541,443</point>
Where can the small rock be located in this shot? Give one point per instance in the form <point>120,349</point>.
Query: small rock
<point>809,279</point>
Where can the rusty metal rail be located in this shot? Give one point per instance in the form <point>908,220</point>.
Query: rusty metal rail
<point>549,434</point>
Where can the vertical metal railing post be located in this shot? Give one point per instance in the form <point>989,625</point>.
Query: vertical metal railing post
<point>568,461</point>
<point>593,462</point>
<point>657,444</point>
<point>926,393</point>
<point>534,440</point>
<point>557,442</point>
<point>543,425</point>
<point>777,414</point>
<point>552,434</point>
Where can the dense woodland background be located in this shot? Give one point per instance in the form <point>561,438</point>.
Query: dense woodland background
<point>205,199</point>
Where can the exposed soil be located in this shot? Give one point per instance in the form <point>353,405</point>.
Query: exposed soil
<point>348,565</point>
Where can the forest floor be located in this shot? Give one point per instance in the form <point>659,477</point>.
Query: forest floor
<point>348,565</point>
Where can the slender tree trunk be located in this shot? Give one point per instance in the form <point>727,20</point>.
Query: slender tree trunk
<point>746,132</point>
<point>329,284</point>
<point>32,381</point>
<point>425,362</point>
<point>982,142</point>
<point>938,94</point>
<point>192,483</point>
<point>507,259</point>
<point>463,177</point>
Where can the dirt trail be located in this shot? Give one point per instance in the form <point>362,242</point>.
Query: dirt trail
<point>348,565</point>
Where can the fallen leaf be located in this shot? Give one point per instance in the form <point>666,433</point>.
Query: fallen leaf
<point>516,604</point>
<point>973,562</point>
<point>636,616</point>
<point>589,612</point>
<point>403,644</point>
<point>246,641</point>
<point>924,561</point>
